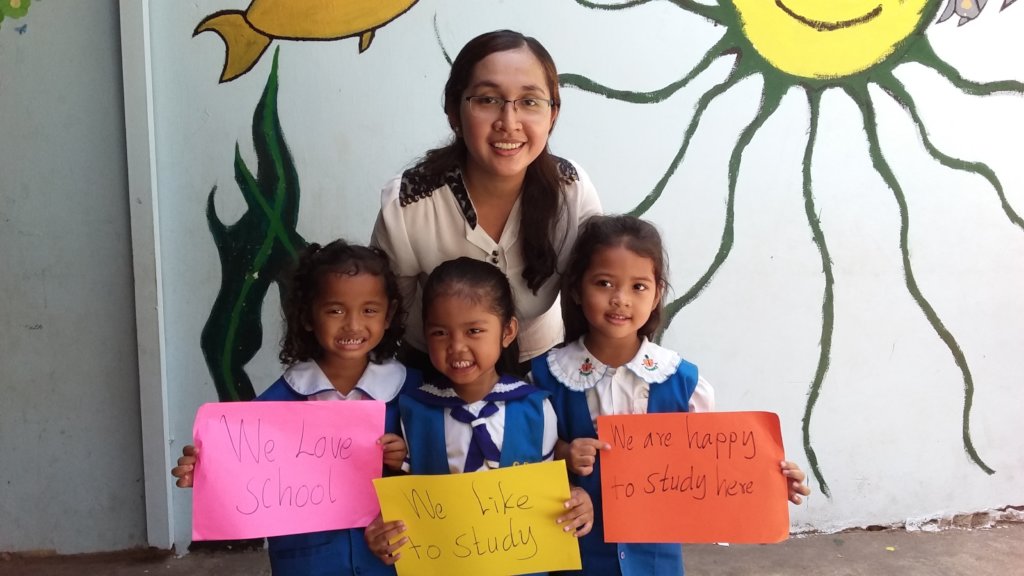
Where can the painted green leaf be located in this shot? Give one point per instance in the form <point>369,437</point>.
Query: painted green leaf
<point>254,252</point>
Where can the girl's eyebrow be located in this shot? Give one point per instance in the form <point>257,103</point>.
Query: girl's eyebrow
<point>364,303</point>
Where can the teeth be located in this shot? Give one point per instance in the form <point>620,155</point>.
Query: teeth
<point>350,341</point>
<point>507,145</point>
<point>462,364</point>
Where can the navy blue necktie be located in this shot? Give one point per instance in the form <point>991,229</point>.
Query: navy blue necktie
<point>481,447</point>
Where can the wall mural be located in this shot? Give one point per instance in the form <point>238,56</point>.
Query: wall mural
<point>827,45</point>
<point>257,249</point>
<point>14,9</point>
<point>815,46</point>
<point>248,34</point>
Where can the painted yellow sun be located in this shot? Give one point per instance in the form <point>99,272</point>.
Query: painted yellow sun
<point>826,39</point>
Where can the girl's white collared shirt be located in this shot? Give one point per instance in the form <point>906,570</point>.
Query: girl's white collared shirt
<point>622,390</point>
<point>457,436</point>
<point>379,382</point>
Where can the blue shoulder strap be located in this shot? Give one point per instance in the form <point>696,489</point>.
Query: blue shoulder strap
<point>524,430</point>
<point>673,395</point>
<point>424,431</point>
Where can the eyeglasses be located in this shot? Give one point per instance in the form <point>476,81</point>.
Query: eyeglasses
<point>489,106</point>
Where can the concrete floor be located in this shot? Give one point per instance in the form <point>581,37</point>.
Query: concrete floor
<point>979,552</point>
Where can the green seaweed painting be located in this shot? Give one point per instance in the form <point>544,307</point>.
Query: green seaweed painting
<point>816,45</point>
<point>254,251</point>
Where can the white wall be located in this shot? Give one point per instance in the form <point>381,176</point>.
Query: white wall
<point>887,427</point>
<point>71,478</point>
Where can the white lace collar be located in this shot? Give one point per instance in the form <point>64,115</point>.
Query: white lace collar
<point>379,381</point>
<point>578,369</point>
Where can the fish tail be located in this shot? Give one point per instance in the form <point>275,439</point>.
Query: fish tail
<point>244,44</point>
<point>364,40</point>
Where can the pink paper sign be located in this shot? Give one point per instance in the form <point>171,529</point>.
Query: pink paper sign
<point>273,468</point>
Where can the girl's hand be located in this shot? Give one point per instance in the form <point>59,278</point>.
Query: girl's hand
<point>378,537</point>
<point>795,481</point>
<point>395,450</point>
<point>580,516</point>
<point>186,465</point>
<point>582,454</point>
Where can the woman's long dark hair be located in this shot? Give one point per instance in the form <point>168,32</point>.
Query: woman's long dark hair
<point>600,232</point>
<point>541,199</point>
<point>299,343</point>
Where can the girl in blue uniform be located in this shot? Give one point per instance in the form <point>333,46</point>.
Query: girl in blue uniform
<point>343,324</point>
<point>473,417</point>
<point>611,305</point>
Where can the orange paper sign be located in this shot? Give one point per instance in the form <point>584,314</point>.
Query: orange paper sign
<point>709,477</point>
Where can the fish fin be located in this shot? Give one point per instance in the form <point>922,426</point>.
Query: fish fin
<point>364,40</point>
<point>244,45</point>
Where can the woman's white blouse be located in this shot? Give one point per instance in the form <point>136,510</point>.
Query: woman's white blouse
<point>423,223</point>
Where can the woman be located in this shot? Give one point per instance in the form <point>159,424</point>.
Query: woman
<point>494,193</point>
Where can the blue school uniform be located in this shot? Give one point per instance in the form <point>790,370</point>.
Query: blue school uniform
<point>526,411</point>
<point>568,373</point>
<point>336,552</point>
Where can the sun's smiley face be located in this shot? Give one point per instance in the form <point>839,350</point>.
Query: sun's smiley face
<point>828,38</point>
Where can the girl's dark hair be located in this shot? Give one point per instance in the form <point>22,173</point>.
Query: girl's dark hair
<point>480,283</point>
<point>299,343</point>
<point>600,232</point>
<point>542,188</point>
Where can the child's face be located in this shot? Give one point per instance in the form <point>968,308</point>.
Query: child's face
<point>503,144</point>
<point>349,316</point>
<point>618,292</point>
<point>465,340</point>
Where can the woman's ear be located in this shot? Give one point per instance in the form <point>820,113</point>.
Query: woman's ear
<point>453,122</point>
<point>510,332</point>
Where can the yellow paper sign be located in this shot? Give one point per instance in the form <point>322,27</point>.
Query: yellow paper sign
<point>498,522</point>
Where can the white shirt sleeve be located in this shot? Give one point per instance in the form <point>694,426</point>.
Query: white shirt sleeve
<point>589,204</point>
<point>703,397</point>
<point>391,235</point>
<point>550,431</point>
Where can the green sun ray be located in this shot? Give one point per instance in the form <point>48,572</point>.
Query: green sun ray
<point>437,35</point>
<point>914,48</point>
<point>828,299</point>
<point>863,100</point>
<point>584,83</point>
<point>702,104</point>
<point>899,93</point>
<point>923,53</point>
<point>770,98</point>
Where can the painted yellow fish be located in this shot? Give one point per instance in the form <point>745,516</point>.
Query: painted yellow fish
<point>248,34</point>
